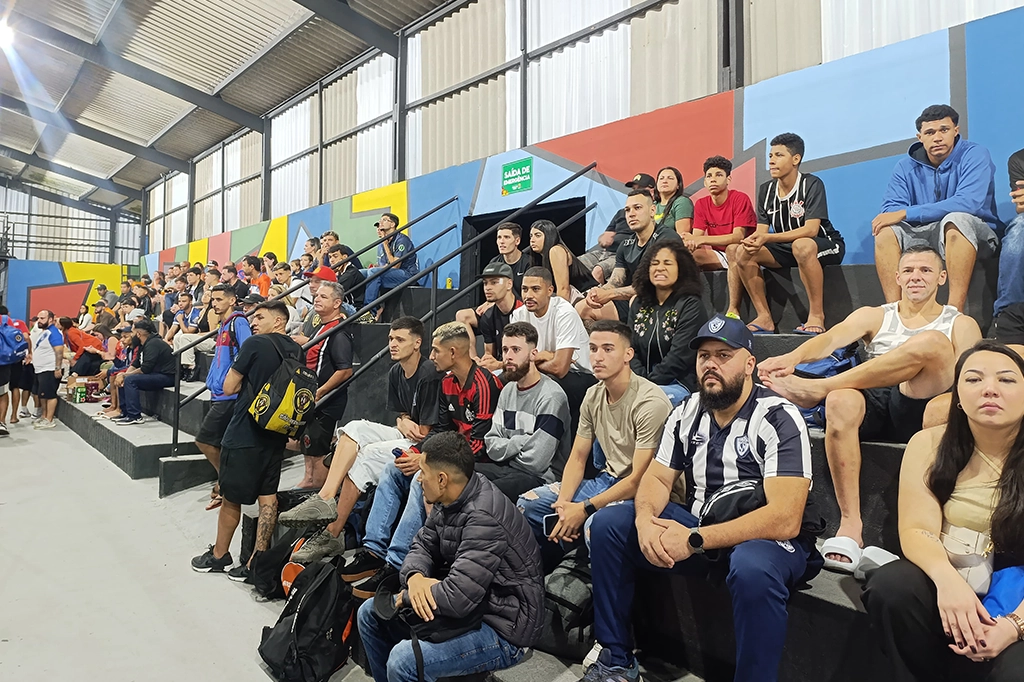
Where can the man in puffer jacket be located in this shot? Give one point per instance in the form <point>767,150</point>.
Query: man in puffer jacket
<point>474,555</point>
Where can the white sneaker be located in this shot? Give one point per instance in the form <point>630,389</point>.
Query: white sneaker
<point>23,413</point>
<point>44,424</point>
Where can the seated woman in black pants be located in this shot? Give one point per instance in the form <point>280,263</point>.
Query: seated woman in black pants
<point>964,480</point>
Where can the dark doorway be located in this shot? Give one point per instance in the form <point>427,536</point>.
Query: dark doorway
<point>473,260</point>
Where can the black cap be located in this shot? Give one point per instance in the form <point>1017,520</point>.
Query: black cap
<point>253,299</point>
<point>101,287</point>
<point>642,181</point>
<point>498,269</point>
<point>123,330</point>
<point>392,216</point>
<point>728,330</point>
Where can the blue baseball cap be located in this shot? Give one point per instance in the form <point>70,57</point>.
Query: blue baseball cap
<point>728,330</point>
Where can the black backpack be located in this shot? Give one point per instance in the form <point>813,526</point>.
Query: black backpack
<point>266,566</point>
<point>317,630</point>
<point>568,630</point>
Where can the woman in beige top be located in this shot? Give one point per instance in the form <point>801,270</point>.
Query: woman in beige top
<point>970,474</point>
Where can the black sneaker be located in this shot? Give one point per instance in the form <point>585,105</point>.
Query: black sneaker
<point>368,588</point>
<point>363,565</point>
<point>240,574</point>
<point>206,563</point>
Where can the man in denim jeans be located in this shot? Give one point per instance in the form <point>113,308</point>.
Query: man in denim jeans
<point>393,253</point>
<point>474,567</point>
<point>623,412</point>
<point>153,370</point>
<point>1010,289</point>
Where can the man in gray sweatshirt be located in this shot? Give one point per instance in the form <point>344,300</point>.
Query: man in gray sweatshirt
<point>529,437</point>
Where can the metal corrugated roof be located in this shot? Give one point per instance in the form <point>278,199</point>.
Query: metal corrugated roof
<point>120,105</point>
<point>10,166</point>
<point>307,55</point>
<point>85,155</point>
<point>198,42</point>
<point>17,131</point>
<point>394,14</point>
<point>139,172</point>
<point>37,73</point>
<point>106,197</point>
<point>194,134</point>
<point>80,18</point>
<point>55,182</point>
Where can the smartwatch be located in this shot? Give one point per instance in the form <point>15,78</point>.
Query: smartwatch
<point>696,541</point>
<point>589,507</point>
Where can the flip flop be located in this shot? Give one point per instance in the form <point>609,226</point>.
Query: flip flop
<point>872,559</point>
<point>806,330</point>
<point>758,329</point>
<point>845,547</point>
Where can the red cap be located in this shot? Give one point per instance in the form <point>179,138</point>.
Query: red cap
<point>323,272</point>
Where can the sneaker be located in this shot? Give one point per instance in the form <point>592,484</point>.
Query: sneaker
<point>3,430</point>
<point>240,574</point>
<point>321,545</point>
<point>600,672</point>
<point>23,413</point>
<point>364,564</point>
<point>130,421</point>
<point>206,563</point>
<point>310,510</point>
<point>45,424</point>
<point>368,588</point>
<point>36,417</point>
<point>105,404</point>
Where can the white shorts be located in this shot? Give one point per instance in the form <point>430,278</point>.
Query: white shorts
<point>376,443</point>
<point>721,258</point>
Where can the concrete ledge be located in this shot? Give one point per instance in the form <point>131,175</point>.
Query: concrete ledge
<point>184,472</point>
<point>136,450</point>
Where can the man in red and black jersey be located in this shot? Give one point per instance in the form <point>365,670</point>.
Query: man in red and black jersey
<point>469,396</point>
<point>331,359</point>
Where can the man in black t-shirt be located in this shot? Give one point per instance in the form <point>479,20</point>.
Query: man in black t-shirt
<point>498,292</point>
<point>365,448</point>
<point>349,277</point>
<point>793,230</point>
<point>600,259</point>
<point>250,457</point>
<point>610,301</point>
<point>331,359</point>
<point>507,237</point>
<point>152,370</point>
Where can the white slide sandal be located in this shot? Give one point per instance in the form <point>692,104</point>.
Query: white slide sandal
<point>843,546</point>
<point>871,559</point>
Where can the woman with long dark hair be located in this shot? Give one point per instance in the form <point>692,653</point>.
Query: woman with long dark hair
<point>84,318</point>
<point>672,208</point>
<point>961,515</point>
<point>665,314</point>
<point>549,251</point>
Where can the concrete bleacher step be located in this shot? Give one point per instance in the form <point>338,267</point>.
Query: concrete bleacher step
<point>136,449</point>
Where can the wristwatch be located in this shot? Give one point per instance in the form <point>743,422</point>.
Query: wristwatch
<point>589,507</point>
<point>696,541</point>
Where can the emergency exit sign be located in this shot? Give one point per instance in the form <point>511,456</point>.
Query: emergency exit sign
<point>517,176</point>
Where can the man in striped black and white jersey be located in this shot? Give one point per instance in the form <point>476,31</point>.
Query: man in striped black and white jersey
<point>732,430</point>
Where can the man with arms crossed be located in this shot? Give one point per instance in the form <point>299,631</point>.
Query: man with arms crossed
<point>912,346</point>
<point>625,414</point>
<point>365,449</point>
<point>610,301</point>
<point>732,430</point>
<point>250,457</point>
<point>530,429</point>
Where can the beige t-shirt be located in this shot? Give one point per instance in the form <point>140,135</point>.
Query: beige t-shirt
<point>633,422</point>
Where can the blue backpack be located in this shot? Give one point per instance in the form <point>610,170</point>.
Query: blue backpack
<point>13,342</point>
<point>840,361</point>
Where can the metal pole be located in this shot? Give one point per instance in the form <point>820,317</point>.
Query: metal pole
<point>265,207</point>
<point>176,412</point>
<point>190,205</point>
<point>398,118</point>
<point>524,65</point>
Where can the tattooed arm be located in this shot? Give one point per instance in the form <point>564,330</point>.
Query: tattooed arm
<point>920,514</point>
<point>615,289</point>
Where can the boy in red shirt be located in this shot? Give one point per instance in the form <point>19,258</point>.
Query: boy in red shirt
<point>723,218</point>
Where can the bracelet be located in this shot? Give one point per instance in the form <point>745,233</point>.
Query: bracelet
<point>1018,624</point>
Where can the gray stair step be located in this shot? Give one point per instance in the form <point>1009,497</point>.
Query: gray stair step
<point>136,450</point>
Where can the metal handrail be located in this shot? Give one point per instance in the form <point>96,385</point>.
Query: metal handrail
<point>432,315</point>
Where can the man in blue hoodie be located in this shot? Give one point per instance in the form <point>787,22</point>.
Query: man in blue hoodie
<point>942,194</point>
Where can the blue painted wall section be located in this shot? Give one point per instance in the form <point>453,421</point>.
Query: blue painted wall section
<point>24,274</point>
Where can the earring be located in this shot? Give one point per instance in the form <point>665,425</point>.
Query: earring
<point>959,406</point>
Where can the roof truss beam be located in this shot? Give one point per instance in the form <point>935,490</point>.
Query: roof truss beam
<point>100,183</point>
<point>118,64</point>
<point>344,17</point>
<point>56,120</point>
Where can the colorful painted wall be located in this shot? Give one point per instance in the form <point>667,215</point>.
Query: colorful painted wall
<point>856,116</point>
<point>35,285</point>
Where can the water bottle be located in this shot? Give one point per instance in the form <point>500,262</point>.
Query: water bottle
<point>448,283</point>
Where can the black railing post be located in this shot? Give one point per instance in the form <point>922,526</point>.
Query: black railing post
<point>175,414</point>
<point>433,302</point>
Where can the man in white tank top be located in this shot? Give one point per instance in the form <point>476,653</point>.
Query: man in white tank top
<point>912,346</point>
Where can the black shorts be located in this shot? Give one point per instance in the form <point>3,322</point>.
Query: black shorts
<point>5,376</point>
<point>27,378</point>
<point>1009,324</point>
<point>829,252</point>
<point>622,308</point>
<point>215,423</point>
<point>46,385</point>
<point>248,473</point>
<point>890,416</point>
